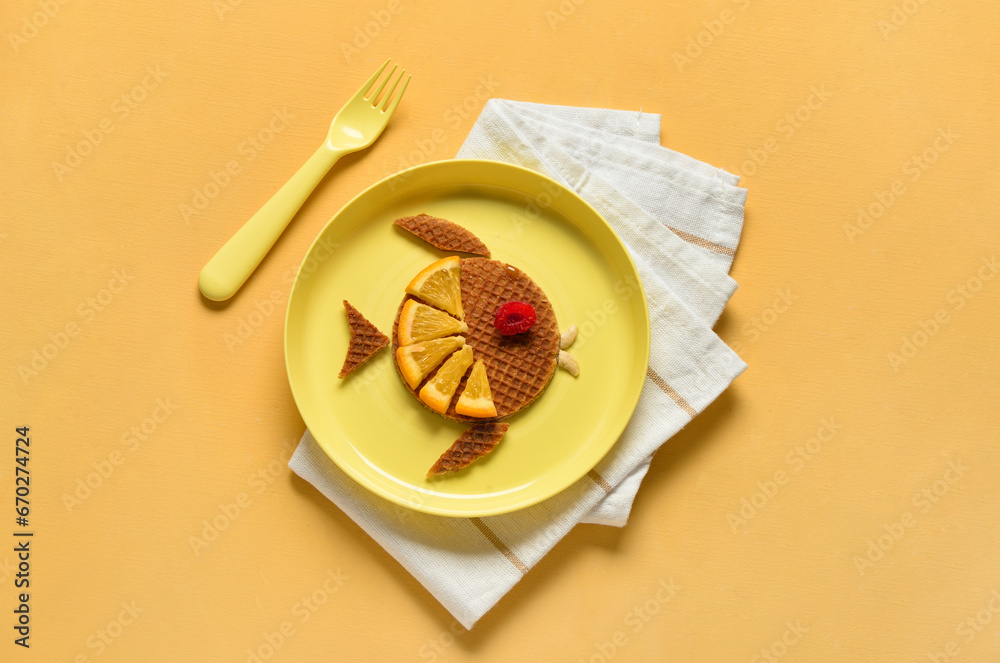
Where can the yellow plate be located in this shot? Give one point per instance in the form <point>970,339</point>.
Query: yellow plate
<point>370,424</point>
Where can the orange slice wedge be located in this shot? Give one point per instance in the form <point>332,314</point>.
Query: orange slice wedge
<point>476,400</point>
<point>420,322</point>
<point>438,391</point>
<point>439,284</point>
<point>416,361</point>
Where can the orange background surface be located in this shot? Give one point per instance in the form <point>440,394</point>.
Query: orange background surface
<point>878,335</point>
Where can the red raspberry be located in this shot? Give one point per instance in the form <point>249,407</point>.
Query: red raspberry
<point>514,318</point>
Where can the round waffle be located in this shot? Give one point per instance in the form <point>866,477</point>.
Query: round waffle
<point>518,367</point>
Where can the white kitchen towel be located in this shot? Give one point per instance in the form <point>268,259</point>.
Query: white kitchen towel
<point>681,221</point>
<point>616,155</point>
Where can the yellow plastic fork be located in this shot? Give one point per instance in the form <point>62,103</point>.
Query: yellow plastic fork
<point>354,128</point>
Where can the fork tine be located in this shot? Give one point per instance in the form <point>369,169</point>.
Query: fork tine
<point>390,108</point>
<point>371,81</point>
<point>374,98</point>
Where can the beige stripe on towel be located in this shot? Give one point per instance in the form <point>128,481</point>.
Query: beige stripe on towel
<point>600,481</point>
<point>670,391</point>
<point>702,242</point>
<point>500,545</point>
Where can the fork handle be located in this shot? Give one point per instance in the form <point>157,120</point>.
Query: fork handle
<point>230,267</point>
